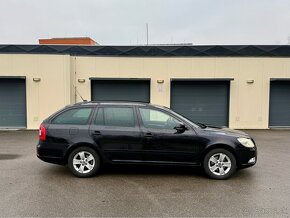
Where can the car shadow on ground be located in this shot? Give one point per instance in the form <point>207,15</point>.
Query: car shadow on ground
<point>9,156</point>
<point>151,170</point>
<point>131,170</point>
<point>144,170</point>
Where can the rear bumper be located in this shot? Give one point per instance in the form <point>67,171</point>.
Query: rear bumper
<point>53,160</point>
<point>49,156</point>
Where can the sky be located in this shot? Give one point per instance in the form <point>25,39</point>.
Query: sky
<point>123,22</point>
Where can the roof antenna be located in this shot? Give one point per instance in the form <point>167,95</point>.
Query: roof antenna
<point>77,92</point>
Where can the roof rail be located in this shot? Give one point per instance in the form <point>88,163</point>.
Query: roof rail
<point>111,101</point>
<point>120,101</point>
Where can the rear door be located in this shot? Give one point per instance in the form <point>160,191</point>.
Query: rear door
<point>115,129</point>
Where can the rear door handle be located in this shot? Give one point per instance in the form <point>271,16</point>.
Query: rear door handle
<point>148,135</point>
<point>96,132</point>
<point>73,131</point>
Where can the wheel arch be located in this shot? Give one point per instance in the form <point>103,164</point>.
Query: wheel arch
<point>217,146</point>
<point>83,144</point>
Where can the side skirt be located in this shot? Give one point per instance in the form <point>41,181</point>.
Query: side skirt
<point>155,162</point>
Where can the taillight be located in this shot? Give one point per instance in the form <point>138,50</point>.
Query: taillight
<point>42,133</point>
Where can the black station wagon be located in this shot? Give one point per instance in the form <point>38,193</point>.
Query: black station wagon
<point>86,135</point>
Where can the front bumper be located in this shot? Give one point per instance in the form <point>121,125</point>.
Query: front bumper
<point>247,157</point>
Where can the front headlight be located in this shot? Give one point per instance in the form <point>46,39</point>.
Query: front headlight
<point>246,142</point>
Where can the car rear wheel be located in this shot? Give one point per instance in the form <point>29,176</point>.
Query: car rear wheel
<point>219,164</point>
<point>84,162</point>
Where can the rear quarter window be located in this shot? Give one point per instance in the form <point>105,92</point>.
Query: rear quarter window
<point>76,116</point>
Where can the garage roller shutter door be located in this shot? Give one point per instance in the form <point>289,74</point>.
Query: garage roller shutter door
<point>202,101</point>
<point>12,103</point>
<point>279,104</point>
<point>121,90</point>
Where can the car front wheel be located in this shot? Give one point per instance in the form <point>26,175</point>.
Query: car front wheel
<point>219,164</point>
<point>84,162</point>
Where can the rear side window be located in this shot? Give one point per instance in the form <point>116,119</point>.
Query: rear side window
<point>115,116</point>
<point>77,116</point>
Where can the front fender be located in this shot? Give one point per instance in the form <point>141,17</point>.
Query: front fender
<point>219,144</point>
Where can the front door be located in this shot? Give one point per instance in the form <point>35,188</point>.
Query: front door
<point>115,129</point>
<point>161,142</point>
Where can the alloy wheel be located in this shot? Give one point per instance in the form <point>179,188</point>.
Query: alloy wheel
<point>83,162</point>
<point>219,164</point>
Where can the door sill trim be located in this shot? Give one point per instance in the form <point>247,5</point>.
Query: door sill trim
<point>155,162</point>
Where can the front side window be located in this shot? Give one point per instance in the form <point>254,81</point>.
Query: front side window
<point>155,119</point>
<point>115,116</point>
<point>77,116</point>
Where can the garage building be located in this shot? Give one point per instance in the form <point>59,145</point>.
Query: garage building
<point>244,87</point>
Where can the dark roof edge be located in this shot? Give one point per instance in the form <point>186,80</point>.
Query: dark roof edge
<point>153,51</point>
<point>12,77</point>
<point>201,79</point>
<point>279,79</point>
<point>124,79</point>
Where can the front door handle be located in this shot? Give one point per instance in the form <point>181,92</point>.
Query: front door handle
<point>96,132</point>
<point>148,135</point>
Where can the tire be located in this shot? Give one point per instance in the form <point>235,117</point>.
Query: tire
<point>219,164</point>
<point>84,162</point>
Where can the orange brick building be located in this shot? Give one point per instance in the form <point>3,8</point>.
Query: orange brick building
<point>68,41</point>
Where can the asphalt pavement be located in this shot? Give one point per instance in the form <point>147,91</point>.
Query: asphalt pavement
<point>32,188</point>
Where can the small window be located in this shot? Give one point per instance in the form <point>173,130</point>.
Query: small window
<point>157,119</point>
<point>115,116</point>
<point>77,116</point>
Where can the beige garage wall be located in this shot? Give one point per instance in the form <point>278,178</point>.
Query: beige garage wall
<point>46,96</point>
<point>249,103</point>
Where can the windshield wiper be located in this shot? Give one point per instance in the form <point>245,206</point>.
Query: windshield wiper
<point>202,125</point>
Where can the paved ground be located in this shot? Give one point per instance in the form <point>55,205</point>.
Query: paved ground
<point>30,187</point>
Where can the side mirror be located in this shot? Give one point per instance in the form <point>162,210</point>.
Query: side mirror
<point>180,128</point>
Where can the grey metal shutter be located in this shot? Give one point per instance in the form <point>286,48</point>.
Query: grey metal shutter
<point>202,101</point>
<point>123,90</point>
<point>279,104</point>
<point>12,103</point>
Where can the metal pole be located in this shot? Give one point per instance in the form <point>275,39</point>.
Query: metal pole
<point>147,32</point>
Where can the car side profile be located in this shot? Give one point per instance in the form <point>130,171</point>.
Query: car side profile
<point>86,135</point>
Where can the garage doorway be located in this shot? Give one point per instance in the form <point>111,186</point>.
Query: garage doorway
<point>12,102</point>
<point>279,114</point>
<point>205,101</point>
<point>120,89</point>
